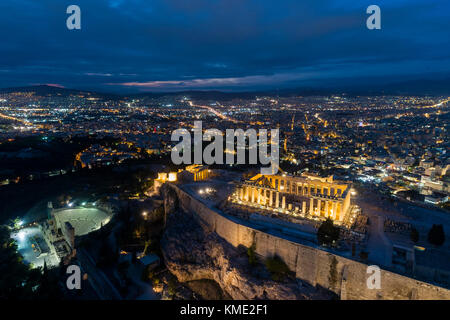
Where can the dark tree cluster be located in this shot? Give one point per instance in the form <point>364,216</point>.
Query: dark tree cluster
<point>18,280</point>
<point>328,233</point>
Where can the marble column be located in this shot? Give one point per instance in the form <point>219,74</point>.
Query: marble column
<point>277,200</point>
<point>334,210</point>
<point>271,198</point>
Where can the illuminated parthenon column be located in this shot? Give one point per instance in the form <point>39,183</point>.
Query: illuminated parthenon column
<point>326,199</point>
<point>277,200</point>
<point>334,210</point>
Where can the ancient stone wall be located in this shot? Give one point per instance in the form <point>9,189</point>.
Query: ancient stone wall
<point>345,277</point>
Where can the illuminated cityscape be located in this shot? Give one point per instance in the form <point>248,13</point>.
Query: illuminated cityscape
<point>94,204</point>
<point>377,166</point>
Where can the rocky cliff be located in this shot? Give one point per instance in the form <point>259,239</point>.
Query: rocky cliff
<point>192,253</point>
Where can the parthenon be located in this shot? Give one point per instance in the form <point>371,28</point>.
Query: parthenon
<point>306,195</point>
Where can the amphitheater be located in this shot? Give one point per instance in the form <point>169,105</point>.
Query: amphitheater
<point>83,220</point>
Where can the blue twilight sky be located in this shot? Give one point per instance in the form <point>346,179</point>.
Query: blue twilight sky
<point>167,45</point>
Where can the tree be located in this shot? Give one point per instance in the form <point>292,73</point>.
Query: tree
<point>436,235</point>
<point>172,286</point>
<point>251,255</point>
<point>17,280</point>
<point>327,233</point>
<point>146,248</point>
<point>277,268</point>
<point>414,235</point>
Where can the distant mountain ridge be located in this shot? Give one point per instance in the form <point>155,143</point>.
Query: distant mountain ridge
<point>47,90</point>
<point>368,87</point>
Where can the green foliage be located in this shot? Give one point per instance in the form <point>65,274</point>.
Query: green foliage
<point>332,277</point>
<point>172,286</point>
<point>251,255</point>
<point>436,235</point>
<point>16,222</point>
<point>147,247</point>
<point>147,274</point>
<point>17,280</point>
<point>414,235</point>
<point>277,268</point>
<point>328,233</point>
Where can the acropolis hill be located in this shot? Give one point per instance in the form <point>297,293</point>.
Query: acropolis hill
<point>237,213</point>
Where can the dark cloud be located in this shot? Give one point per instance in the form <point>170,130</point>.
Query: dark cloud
<point>134,45</point>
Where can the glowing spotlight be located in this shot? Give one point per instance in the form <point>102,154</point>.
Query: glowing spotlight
<point>21,235</point>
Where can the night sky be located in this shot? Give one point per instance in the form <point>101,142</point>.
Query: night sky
<point>233,45</point>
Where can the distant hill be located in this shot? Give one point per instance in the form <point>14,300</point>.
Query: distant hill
<point>41,89</point>
<point>46,90</point>
<point>368,86</point>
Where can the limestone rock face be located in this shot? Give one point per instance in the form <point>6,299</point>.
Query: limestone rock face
<point>192,253</point>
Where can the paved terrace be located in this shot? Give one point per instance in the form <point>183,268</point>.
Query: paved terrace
<point>302,234</point>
